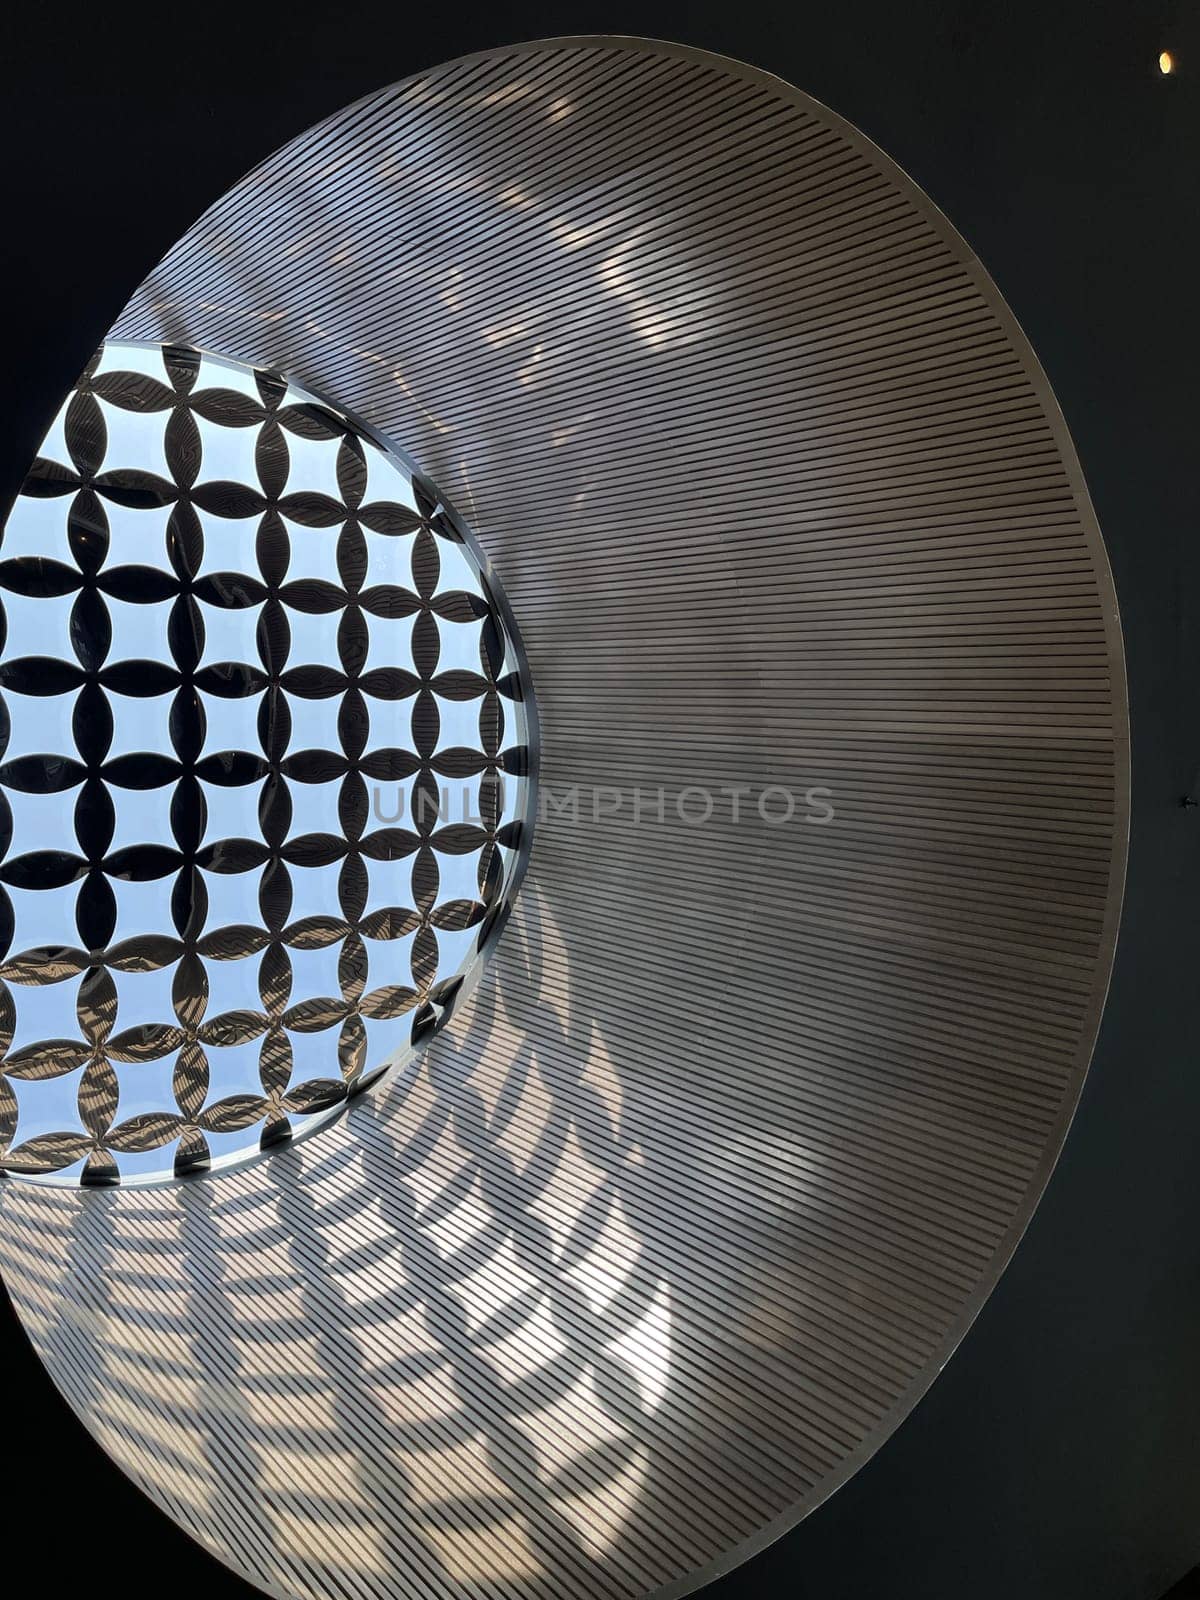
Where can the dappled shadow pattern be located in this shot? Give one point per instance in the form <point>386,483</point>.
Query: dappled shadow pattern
<point>438,1348</point>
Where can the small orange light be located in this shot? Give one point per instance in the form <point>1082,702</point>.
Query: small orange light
<point>1166,63</point>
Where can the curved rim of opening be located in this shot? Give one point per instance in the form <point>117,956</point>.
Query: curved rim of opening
<point>799,1510</point>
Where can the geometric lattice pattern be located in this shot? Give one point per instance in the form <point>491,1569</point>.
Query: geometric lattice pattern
<point>263,770</point>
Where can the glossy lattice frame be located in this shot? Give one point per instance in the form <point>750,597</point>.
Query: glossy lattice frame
<point>386,908</point>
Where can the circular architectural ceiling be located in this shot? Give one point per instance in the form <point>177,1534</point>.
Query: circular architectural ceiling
<point>682,1211</point>
<point>258,715</point>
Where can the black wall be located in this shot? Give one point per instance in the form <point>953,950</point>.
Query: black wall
<point>1059,1454</point>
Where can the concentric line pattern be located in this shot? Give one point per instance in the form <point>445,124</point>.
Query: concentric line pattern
<point>678,1217</point>
<point>238,637</point>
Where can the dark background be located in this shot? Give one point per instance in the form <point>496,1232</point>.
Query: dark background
<point>1059,1454</point>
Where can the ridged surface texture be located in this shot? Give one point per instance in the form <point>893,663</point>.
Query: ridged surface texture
<point>682,1212</point>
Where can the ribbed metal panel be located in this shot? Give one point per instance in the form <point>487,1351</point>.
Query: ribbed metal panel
<point>684,1211</point>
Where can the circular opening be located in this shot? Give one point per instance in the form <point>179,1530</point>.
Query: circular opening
<point>264,755</point>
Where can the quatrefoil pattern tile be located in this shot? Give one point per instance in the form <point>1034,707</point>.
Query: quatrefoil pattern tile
<point>264,770</point>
